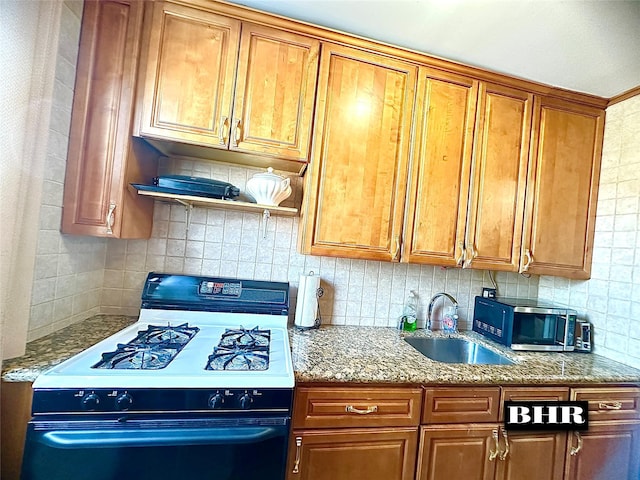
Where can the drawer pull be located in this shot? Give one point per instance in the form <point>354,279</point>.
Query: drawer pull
<point>610,405</point>
<point>574,450</point>
<point>296,465</point>
<point>352,409</point>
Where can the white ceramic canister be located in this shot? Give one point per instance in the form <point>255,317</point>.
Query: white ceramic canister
<point>268,188</point>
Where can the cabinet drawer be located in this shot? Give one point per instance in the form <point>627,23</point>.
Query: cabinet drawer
<point>318,407</point>
<point>461,405</point>
<point>532,394</point>
<point>610,403</point>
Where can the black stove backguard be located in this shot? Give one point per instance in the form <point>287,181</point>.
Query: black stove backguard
<point>215,294</point>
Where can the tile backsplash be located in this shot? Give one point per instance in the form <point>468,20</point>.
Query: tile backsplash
<point>231,243</point>
<point>69,269</point>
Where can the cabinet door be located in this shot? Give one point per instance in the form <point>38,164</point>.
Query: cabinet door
<point>437,206</point>
<point>532,456</point>
<point>348,454</point>
<point>102,158</point>
<point>275,92</point>
<point>458,451</point>
<point>190,74</point>
<point>606,451</point>
<point>357,183</point>
<point>499,174</point>
<point>562,189</point>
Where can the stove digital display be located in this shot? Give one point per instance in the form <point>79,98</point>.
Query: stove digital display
<point>221,289</point>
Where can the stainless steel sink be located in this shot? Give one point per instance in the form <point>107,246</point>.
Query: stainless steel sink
<point>456,350</point>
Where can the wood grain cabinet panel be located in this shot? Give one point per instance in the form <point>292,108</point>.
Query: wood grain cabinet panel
<point>275,92</point>
<point>610,403</point>
<point>466,204</point>
<point>348,454</point>
<point>532,394</point>
<point>493,237</point>
<point>562,189</point>
<point>355,190</point>
<point>461,405</point>
<point>438,201</point>
<point>531,455</point>
<point>318,407</point>
<point>608,450</point>
<point>457,451</point>
<point>191,65</point>
<point>216,81</point>
<point>102,158</point>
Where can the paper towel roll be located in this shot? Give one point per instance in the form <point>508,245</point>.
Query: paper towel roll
<point>307,303</point>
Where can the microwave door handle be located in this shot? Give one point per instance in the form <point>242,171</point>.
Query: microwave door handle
<point>152,437</point>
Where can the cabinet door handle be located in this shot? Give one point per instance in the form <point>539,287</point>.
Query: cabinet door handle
<point>504,454</point>
<point>110,218</point>
<point>529,257</point>
<point>352,409</point>
<point>574,450</point>
<point>460,258</point>
<point>396,248</point>
<point>296,465</point>
<point>236,133</point>
<point>494,453</point>
<point>473,253</point>
<point>223,130</point>
<point>610,406</point>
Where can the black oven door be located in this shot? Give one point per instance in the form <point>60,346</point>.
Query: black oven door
<point>156,449</point>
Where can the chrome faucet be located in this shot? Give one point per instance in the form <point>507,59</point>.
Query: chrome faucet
<point>433,302</point>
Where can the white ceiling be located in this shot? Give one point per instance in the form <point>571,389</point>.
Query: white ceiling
<point>591,46</point>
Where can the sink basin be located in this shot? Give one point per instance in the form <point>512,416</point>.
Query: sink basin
<point>456,350</point>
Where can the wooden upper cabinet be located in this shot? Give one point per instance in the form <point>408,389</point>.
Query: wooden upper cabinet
<point>501,153</point>
<point>466,203</point>
<point>437,206</point>
<point>275,92</point>
<point>102,158</point>
<point>356,186</point>
<point>562,189</point>
<point>216,81</point>
<point>190,75</point>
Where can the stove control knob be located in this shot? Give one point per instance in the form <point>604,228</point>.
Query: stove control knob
<point>245,401</point>
<point>216,401</point>
<point>124,401</point>
<point>90,401</point>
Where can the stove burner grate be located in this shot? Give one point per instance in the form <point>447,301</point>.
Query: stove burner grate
<point>152,349</point>
<point>241,349</point>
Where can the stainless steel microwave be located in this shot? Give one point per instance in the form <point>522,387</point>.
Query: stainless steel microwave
<point>525,324</point>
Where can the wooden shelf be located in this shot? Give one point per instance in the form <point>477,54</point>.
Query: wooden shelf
<point>192,200</point>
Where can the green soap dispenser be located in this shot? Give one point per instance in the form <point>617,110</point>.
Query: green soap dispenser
<point>409,318</point>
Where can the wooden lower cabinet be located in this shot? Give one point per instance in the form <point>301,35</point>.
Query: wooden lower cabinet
<point>608,450</point>
<point>532,456</point>
<point>15,412</point>
<point>487,452</point>
<point>353,454</point>
<point>456,451</point>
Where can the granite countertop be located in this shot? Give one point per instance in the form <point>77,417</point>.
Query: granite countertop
<point>379,355</point>
<point>56,347</point>
<point>369,355</point>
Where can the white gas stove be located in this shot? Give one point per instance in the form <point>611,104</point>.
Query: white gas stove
<point>224,337</point>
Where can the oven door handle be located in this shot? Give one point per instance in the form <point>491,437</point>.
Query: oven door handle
<point>127,437</point>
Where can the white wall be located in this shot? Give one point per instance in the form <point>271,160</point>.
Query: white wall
<point>611,298</point>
